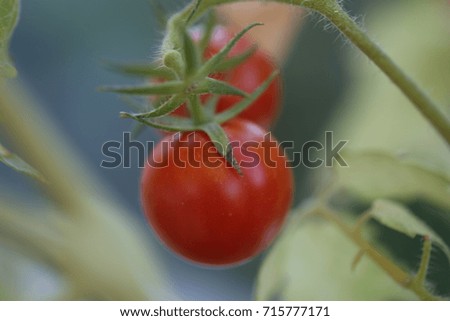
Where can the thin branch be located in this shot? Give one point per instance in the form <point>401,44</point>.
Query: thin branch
<point>393,270</point>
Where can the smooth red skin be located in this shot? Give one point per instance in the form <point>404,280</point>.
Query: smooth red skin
<point>248,76</point>
<point>213,216</point>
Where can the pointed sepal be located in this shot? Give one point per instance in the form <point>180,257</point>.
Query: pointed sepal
<point>164,88</point>
<point>246,102</point>
<point>210,65</point>
<point>168,123</point>
<point>214,86</point>
<point>222,143</point>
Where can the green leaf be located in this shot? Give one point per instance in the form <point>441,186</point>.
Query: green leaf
<point>220,140</point>
<point>214,86</point>
<point>9,14</point>
<point>373,175</point>
<point>168,123</point>
<point>235,61</point>
<point>312,261</point>
<point>18,164</point>
<point>165,108</point>
<point>397,217</point>
<point>210,65</point>
<point>164,88</point>
<point>143,70</point>
<point>246,102</point>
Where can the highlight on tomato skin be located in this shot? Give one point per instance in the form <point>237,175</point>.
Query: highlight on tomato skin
<point>209,214</point>
<point>247,76</point>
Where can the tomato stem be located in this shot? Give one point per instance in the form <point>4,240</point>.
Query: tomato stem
<point>196,110</point>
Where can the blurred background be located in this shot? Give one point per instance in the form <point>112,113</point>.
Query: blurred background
<point>59,47</point>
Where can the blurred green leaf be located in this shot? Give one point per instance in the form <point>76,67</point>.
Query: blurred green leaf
<point>19,267</point>
<point>101,253</point>
<point>9,13</point>
<point>18,164</point>
<point>100,249</point>
<point>3,295</point>
<point>312,261</point>
<point>373,175</point>
<point>399,218</point>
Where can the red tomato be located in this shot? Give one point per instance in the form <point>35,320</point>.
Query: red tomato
<point>210,214</point>
<point>248,76</point>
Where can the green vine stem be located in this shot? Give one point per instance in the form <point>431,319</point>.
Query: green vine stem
<point>195,109</point>
<point>421,275</point>
<point>415,284</point>
<point>333,11</point>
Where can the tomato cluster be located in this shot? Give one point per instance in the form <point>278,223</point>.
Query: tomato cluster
<point>201,207</point>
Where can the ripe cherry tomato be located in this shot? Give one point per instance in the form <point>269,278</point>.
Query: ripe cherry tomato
<point>209,213</point>
<point>247,76</point>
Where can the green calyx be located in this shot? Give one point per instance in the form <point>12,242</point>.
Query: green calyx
<point>179,78</point>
